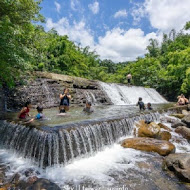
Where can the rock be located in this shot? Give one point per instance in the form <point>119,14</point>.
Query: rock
<point>184,131</point>
<point>168,119</point>
<point>164,135</point>
<point>150,145</point>
<point>148,130</point>
<point>180,116</point>
<point>164,127</point>
<point>43,184</point>
<point>32,179</point>
<point>185,112</point>
<point>186,120</point>
<point>177,124</point>
<point>180,164</point>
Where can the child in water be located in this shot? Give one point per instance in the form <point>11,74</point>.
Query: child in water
<point>24,113</point>
<point>39,116</point>
<point>88,108</point>
<point>149,106</point>
<point>140,103</point>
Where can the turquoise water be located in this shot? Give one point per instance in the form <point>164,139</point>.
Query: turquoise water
<point>75,114</point>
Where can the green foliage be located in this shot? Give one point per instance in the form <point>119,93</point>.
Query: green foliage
<point>26,46</point>
<point>15,28</point>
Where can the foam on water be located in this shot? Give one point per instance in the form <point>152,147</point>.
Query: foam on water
<point>125,95</point>
<point>96,168</point>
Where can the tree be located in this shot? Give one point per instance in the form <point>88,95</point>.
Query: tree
<point>15,29</point>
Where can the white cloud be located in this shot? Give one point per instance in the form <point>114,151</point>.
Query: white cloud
<point>117,44</point>
<point>120,45</point>
<point>58,6</point>
<point>164,15</point>
<point>77,32</point>
<point>75,4</point>
<point>120,13</point>
<point>94,7</point>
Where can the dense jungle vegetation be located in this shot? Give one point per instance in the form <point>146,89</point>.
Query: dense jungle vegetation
<point>26,46</point>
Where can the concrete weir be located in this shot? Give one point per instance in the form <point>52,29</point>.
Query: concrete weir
<point>61,144</point>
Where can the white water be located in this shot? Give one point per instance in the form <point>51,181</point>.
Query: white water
<point>97,169</point>
<point>125,95</point>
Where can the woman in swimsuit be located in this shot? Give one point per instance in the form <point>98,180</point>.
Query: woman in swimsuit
<point>65,100</point>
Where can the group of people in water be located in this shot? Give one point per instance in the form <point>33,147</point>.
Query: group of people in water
<point>65,98</point>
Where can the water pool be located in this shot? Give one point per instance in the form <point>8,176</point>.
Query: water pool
<point>76,114</point>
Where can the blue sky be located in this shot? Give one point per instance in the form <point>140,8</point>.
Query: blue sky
<point>116,29</point>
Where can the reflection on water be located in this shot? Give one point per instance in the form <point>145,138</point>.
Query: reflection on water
<point>76,114</point>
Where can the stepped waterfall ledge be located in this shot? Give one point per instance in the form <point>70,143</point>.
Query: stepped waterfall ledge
<point>61,144</point>
<point>124,95</point>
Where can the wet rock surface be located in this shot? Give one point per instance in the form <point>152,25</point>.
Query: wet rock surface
<point>43,184</point>
<point>177,124</point>
<point>148,130</point>
<point>186,120</point>
<point>179,164</point>
<point>162,126</point>
<point>184,131</point>
<point>180,116</point>
<point>150,145</point>
<point>164,135</point>
<point>45,88</point>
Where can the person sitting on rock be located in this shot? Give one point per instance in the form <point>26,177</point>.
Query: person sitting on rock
<point>149,106</point>
<point>65,100</point>
<point>140,103</point>
<point>88,108</point>
<point>182,100</point>
<point>24,113</point>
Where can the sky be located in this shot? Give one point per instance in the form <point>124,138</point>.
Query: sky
<point>118,30</point>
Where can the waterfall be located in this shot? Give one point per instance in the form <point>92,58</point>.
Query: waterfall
<point>62,144</point>
<point>125,95</point>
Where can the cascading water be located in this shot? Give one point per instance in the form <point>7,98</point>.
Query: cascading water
<point>125,95</point>
<point>60,145</point>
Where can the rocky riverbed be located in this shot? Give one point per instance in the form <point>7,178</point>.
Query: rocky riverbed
<point>161,162</point>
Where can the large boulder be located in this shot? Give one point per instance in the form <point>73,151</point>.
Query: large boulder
<point>148,130</point>
<point>184,131</point>
<point>180,164</point>
<point>177,124</point>
<point>162,126</point>
<point>150,145</point>
<point>164,135</point>
<point>186,120</point>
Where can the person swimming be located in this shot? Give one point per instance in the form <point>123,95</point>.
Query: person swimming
<point>149,106</point>
<point>88,108</point>
<point>140,103</point>
<point>40,114</point>
<point>24,113</point>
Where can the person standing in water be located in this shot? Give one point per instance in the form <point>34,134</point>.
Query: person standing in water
<point>129,78</point>
<point>65,100</point>
<point>140,103</point>
<point>24,113</point>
